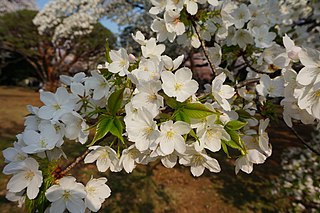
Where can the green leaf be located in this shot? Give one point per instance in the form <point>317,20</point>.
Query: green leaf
<point>243,114</point>
<point>225,149</point>
<point>236,141</point>
<point>197,110</point>
<point>180,115</point>
<point>115,101</point>
<point>117,129</point>
<point>235,125</point>
<point>103,127</point>
<point>107,53</point>
<point>171,102</point>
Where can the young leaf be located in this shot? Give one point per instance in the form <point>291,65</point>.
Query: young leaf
<point>225,149</point>
<point>103,127</point>
<point>180,115</point>
<point>235,125</point>
<point>172,103</point>
<point>107,55</point>
<point>236,141</point>
<point>115,101</point>
<point>197,110</point>
<point>243,114</point>
<point>117,129</point>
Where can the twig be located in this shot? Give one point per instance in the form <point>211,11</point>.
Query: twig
<point>304,142</point>
<point>74,163</point>
<point>251,67</point>
<point>246,82</point>
<point>205,51</point>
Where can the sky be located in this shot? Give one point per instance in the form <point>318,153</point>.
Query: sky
<point>113,27</point>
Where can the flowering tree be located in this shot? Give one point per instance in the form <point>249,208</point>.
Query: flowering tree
<point>147,108</point>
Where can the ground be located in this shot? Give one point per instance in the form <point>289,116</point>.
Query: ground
<point>155,188</point>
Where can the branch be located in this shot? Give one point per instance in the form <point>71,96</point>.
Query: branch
<point>74,163</point>
<point>246,82</point>
<point>205,51</point>
<point>304,142</point>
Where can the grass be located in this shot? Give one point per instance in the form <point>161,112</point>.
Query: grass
<point>154,188</point>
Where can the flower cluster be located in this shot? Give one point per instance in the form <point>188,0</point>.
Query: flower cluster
<point>149,108</point>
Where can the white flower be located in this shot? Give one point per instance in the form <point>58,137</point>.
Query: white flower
<point>240,16</point>
<point>192,6</point>
<point>97,191</point>
<point>159,6</point>
<point>139,38</point>
<point>173,23</point>
<point>311,72</point>
<point>199,161</point>
<point>14,154</point>
<point>180,84</point>
<point>36,142</point>
<point>17,196</point>
<point>76,127</point>
<point>152,50</point>
<point>262,37</point>
<point>171,65</point>
<point>264,138</point>
<point>292,50</point>
<point>245,163</point>
<point>142,129</point>
<point>129,157</point>
<point>211,135</point>
<point>242,38</point>
<point>56,104</point>
<point>75,83</point>
<point>222,92</point>
<point>308,99</point>
<point>147,96</point>
<point>159,26</point>
<point>120,62</point>
<point>99,85</point>
<point>215,54</point>
<point>148,70</point>
<point>68,194</point>
<point>26,175</point>
<point>272,87</point>
<point>213,2</point>
<point>170,138</point>
<point>105,156</point>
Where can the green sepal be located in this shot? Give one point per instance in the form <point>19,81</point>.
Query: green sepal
<point>103,127</point>
<point>235,125</point>
<point>115,101</point>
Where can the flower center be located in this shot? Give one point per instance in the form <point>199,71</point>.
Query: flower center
<point>66,195</point>
<point>29,175</point>
<point>43,143</point>
<point>178,86</point>
<point>57,106</point>
<point>197,160</point>
<point>170,134</point>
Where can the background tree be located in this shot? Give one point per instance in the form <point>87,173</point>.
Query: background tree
<point>19,36</point>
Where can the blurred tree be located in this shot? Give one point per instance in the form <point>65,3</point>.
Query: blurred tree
<point>7,6</point>
<point>18,35</point>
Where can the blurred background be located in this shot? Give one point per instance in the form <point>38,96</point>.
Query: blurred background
<point>40,40</point>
